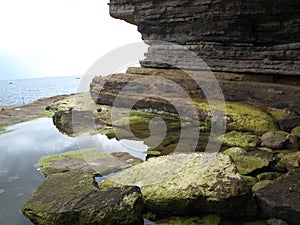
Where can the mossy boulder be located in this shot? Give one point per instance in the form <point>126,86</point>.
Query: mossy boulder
<point>249,162</point>
<point>180,184</point>
<point>244,117</point>
<point>289,161</point>
<point>240,139</point>
<point>74,198</point>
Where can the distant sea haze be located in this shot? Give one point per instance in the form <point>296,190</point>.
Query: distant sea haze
<point>24,91</point>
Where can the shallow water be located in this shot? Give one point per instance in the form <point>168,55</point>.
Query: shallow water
<point>21,148</point>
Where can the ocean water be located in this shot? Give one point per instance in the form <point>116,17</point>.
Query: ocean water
<point>28,90</point>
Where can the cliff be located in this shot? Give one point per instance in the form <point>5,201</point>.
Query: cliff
<point>250,36</point>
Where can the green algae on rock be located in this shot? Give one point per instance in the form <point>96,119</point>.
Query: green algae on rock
<point>244,117</point>
<point>87,160</point>
<point>194,183</point>
<point>260,184</point>
<point>248,162</point>
<point>239,139</point>
<point>289,161</point>
<point>296,132</point>
<point>74,198</point>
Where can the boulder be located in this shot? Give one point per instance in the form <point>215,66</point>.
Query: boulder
<point>273,140</point>
<point>249,162</point>
<point>74,198</point>
<point>281,198</point>
<point>180,184</point>
<point>70,194</point>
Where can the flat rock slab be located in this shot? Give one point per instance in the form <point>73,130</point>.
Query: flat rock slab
<point>74,198</point>
<point>281,198</point>
<point>194,183</point>
<point>88,160</point>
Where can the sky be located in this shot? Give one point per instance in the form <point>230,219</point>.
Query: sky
<point>42,38</point>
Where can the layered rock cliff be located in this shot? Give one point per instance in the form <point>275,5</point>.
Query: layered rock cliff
<point>251,36</point>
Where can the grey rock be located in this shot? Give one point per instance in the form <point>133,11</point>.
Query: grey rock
<point>273,140</point>
<point>281,198</point>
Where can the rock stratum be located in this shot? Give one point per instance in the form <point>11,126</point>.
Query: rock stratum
<point>256,37</point>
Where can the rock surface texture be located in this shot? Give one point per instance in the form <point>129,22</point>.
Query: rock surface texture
<point>261,37</point>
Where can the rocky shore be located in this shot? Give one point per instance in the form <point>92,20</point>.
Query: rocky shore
<point>223,135</point>
<point>255,165</point>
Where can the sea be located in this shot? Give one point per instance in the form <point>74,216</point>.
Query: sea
<point>24,91</point>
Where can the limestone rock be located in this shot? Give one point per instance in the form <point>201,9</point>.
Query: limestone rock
<point>181,184</point>
<point>281,198</point>
<point>273,140</point>
<point>73,198</point>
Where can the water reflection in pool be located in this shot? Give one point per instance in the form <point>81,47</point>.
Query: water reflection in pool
<point>22,147</point>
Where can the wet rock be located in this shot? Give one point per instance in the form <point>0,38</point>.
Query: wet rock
<point>249,162</point>
<point>296,132</point>
<point>196,183</point>
<point>74,198</point>
<point>74,121</point>
<point>289,161</point>
<point>239,139</point>
<point>89,160</point>
<point>273,140</point>
<point>2,190</point>
<point>281,198</point>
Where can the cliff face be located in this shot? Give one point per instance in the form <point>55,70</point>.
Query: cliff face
<point>249,36</point>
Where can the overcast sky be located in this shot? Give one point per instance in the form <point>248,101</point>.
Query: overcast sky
<point>40,38</point>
